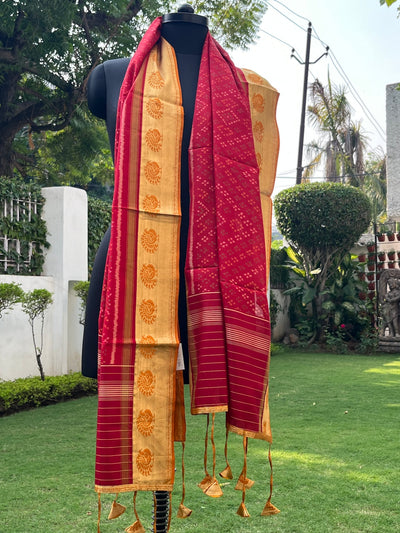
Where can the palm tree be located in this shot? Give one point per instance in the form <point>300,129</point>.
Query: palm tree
<point>342,143</point>
<point>374,184</point>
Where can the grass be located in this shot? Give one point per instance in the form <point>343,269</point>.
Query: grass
<point>336,426</point>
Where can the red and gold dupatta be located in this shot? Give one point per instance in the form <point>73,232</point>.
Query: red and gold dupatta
<point>233,156</point>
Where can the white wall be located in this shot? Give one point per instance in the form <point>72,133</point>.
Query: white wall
<point>393,150</point>
<point>65,213</point>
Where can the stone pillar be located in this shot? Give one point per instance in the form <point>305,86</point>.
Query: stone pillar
<point>393,151</point>
<point>65,213</point>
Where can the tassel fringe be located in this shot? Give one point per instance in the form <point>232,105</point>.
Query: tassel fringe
<point>242,511</point>
<point>244,482</point>
<point>269,508</point>
<point>136,527</point>
<point>183,511</point>
<point>116,509</point>
<point>227,471</point>
<point>209,484</point>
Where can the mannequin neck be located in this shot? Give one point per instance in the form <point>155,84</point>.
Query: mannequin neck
<point>185,37</point>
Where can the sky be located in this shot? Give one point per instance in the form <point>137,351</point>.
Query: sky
<point>364,38</point>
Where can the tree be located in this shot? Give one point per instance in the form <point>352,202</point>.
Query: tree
<point>388,3</point>
<point>34,304</point>
<point>49,47</point>
<point>342,142</point>
<point>76,155</point>
<point>321,221</point>
<point>374,184</point>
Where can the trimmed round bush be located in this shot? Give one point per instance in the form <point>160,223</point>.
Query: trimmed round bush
<point>322,215</point>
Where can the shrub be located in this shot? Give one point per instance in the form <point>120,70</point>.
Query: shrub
<point>26,393</point>
<point>321,221</point>
<point>324,215</point>
<point>99,218</point>
<point>10,294</point>
<point>279,273</point>
<point>81,289</point>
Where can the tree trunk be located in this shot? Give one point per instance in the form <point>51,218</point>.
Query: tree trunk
<point>7,156</point>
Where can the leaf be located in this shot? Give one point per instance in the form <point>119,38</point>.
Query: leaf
<point>309,295</point>
<point>348,306</point>
<point>328,305</point>
<point>337,318</point>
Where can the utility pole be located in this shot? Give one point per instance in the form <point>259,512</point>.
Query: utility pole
<point>306,63</point>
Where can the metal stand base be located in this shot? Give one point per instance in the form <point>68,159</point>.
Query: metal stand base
<point>161,512</point>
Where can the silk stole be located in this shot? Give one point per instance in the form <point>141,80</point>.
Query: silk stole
<point>140,410</point>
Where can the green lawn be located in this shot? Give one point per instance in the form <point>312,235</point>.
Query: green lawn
<point>336,426</point>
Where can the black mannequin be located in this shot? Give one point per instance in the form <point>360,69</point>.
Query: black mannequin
<point>186,32</point>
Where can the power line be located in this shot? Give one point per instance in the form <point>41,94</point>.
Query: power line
<point>291,11</point>
<point>331,178</point>
<point>280,40</point>
<point>336,64</point>
<point>285,16</point>
<point>357,97</point>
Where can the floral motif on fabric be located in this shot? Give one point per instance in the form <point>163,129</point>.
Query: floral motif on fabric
<point>145,461</point>
<point>148,311</point>
<point>153,139</point>
<point>152,172</point>
<point>255,78</point>
<point>146,382</point>
<point>258,102</point>
<point>258,131</point>
<point>148,275</point>
<point>156,81</point>
<point>147,351</point>
<point>145,422</point>
<point>151,204</point>
<point>155,108</point>
<point>149,240</point>
<point>259,159</point>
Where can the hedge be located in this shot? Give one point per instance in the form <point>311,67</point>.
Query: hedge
<point>99,218</point>
<point>26,393</point>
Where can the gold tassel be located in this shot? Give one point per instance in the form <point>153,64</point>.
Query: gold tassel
<point>242,511</point>
<point>227,471</point>
<point>98,512</point>
<point>214,490</point>
<point>116,509</point>
<point>269,508</point>
<point>209,485</point>
<point>136,527</point>
<point>206,481</point>
<point>183,511</point>
<point>244,481</point>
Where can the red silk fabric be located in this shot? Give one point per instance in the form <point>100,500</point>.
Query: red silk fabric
<point>226,260</point>
<point>226,276</point>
